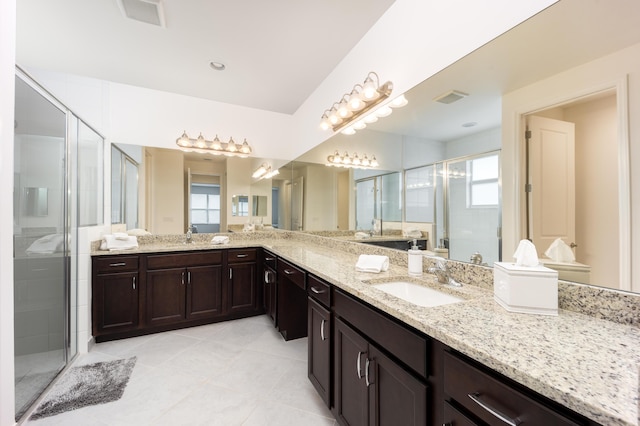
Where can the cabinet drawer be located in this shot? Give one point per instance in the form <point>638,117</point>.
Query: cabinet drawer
<point>319,290</point>
<point>291,273</point>
<point>487,397</point>
<point>405,345</point>
<point>453,417</point>
<point>242,255</point>
<point>113,264</point>
<point>177,260</point>
<point>270,259</point>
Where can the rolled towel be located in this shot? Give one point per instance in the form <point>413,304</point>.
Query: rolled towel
<point>372,263</point>
<point>360,235</point>
<point>220,239</point>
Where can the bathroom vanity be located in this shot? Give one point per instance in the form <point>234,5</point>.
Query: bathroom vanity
<point>375,358</point>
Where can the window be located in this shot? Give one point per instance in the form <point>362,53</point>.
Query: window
<point>483,181</point>
<point>205,207</point>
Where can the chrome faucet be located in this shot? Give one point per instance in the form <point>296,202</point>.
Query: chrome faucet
<point>188,235</point>
<point>442,272</point>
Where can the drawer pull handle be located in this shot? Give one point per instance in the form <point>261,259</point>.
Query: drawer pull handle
<point>189,277</point>
<point>289,272</point>
<point>269,259</point>
<point>266,277</point>
<point>366,372</point>
<point>322,336</point>
<point>134,283</point>
<point>182,278</point>
<point>358,365</point>
<point>240,256</point>
<point>475,397</point>
<point>230,274</point>
<point>316,291</point>
<point>114,265</point>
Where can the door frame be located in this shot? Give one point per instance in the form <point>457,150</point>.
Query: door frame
<point>620,86</point>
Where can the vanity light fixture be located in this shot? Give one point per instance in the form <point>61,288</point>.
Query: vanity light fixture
<point>265,172</point>
<point>352,161</point>
<point>363,105</point>
<point>215,147</point>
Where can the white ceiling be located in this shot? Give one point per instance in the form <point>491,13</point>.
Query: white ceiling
<point>276,52</point>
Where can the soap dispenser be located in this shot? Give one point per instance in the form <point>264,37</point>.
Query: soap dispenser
<point>415,260</point>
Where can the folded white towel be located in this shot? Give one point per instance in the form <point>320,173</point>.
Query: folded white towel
<point>360,235</point>
<point>111,242</point>
<point>123,236</point>
<point>47,245</point>
<point>372,263</point>
<point>220,239</point>
<point>559,251</point>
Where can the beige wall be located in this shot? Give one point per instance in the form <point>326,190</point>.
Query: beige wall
<point>166,188</point>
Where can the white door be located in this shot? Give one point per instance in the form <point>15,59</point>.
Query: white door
<point>552,173</point>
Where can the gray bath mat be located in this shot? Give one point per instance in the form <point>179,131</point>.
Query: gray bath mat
<point>86,385</point>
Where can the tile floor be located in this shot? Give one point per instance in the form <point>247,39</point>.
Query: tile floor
<point>233,373</point>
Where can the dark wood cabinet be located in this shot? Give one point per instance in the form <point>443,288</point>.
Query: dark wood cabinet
<point>166,293</point>
<point>183,287</point>
<point>319,349</point>
<point>242,284</point>
<point>370,387</point>
<point>115,293</point>
<point>351,397</point>
<point>489,398</point>
<point>116,299</point>
<point>292,301</point>
<point>270,286</point>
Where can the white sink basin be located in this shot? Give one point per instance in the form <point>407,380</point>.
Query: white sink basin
<point>417,294</point>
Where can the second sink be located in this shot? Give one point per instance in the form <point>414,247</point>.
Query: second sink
<point>417,294</point>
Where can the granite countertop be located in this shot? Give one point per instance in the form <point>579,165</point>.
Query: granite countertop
<point>589,365</point>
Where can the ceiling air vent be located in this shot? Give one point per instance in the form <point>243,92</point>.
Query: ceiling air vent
<point>450,97</point>
<point>149,11</point>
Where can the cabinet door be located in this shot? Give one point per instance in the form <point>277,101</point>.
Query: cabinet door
<point>115,302</point>
<point>351,404</point>
<point>242,294</point>
<point>319,352</point>
<point>395,396</point>
<point>204,291</point>
<point>166,296</point>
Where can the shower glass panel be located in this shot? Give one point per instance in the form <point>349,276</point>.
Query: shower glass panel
<point>473,192</point>
<point>366,202</point>
<point>41,253</point>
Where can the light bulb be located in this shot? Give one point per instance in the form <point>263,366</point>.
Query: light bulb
<point>349,131</point>
<point>216,144</point>
<point>343,109</point>
<point>370,90</point>
<point>346,159</point>
<point>183,140</point>
<point>200,142</point>
<point>400,101</point>
<point>359,125</point>
<point>231,146</point>
<point>245,148</point>
<point>355,102</point>
<point>325,124</point>
<point>374,162</point>
<point>383,111</point>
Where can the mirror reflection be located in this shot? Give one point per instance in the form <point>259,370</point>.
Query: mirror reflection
<point>457,173</point>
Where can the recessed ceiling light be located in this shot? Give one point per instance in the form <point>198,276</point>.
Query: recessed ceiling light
<point>218,66</point>
<point>470,124</point>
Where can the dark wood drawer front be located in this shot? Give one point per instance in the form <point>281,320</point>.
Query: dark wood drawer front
<point>408,347</point>
<point>270,259</point>
<point>113,264</point>
<point>242,255</point>
<point>319,290</point>
<point>178,260</point>
<point>453,417</point>
<point>488,398</point>
<point>292,273</point>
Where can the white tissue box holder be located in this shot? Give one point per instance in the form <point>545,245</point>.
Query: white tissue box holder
<point>526,289</point>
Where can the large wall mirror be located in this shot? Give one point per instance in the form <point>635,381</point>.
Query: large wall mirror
<point>578,61</point>
<point>575,63</point>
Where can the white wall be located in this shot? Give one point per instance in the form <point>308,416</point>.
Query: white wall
<point>320,198</point>
<point>7,88</point>
<point>606,72</point>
